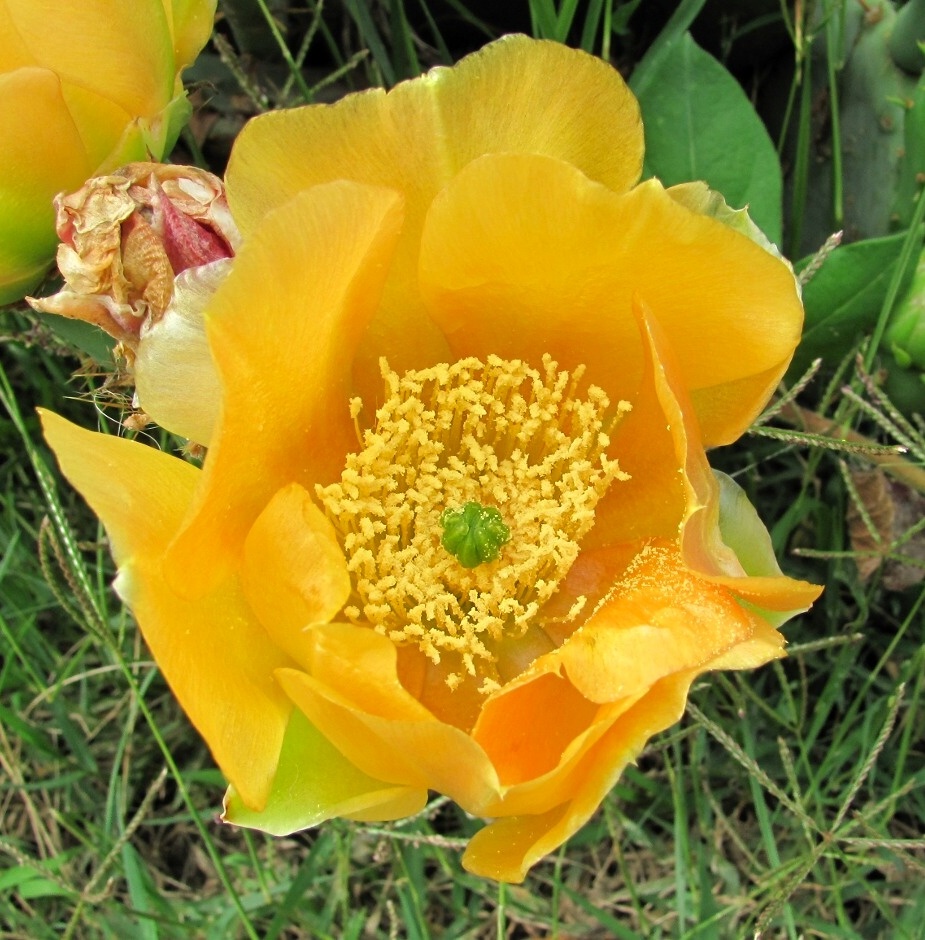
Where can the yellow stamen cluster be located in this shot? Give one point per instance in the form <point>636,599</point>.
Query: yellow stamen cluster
<point>501,435</point>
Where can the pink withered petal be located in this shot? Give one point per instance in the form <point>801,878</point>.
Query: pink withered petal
<point>126,236</point>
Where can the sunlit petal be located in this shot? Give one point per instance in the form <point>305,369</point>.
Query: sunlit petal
<point>502,270</point>
<point>213,652</point>
<point>272,340</point>
<point>137,70</point>
<point>294,574</point>
<point>514,95</point>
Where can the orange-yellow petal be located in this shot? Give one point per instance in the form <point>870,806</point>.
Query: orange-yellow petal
<point>508,272</point>
<point>658,445</point>
<point>662,619</point>
<point>510,845</point>
<point>509,731</point>
<point>41,153</point>
<point>141,494</point>
<point>354,698</point>
<point>315,782</point>
<point>216,657</point>
<point>284,349</point>
<point>722,538</point>
<point>294,572</point>
<point>516,94</point>
<point>130,45</point>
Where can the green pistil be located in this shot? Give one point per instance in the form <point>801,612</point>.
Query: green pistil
<point>473,534</point>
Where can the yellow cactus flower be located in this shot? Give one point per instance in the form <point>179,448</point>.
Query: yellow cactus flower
<point>456,529</point>
<point>84,88</point>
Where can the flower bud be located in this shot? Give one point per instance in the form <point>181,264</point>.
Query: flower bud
<point>905,340</point>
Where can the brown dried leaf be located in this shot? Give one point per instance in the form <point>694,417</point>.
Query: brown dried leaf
<point>892,509</point>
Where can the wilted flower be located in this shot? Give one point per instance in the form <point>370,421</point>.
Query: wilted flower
<point>126,237</point>
<point>84,88</point>
<point>142,251</point>
<point>453,305</point>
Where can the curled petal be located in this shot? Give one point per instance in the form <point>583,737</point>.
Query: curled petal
<point>661,619</point>
<point>699,198</point>
<point>658,445</point>
<point>175,377</point>
<point>315,782</point>
<point>776,597</point>
<point>294,573</point>
<point>353,696</point>
<point>502,270</point>
<point>510,845</point>
<point>272,339</point>
<point>214,654</point>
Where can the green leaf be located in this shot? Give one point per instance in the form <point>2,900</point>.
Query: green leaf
<point>844,298</point>
<point>145,896</point>
<point>85,337</point>
<point>653,62</point>
<point>699,125</point>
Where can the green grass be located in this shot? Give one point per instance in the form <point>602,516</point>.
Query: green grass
<point>789,802</point>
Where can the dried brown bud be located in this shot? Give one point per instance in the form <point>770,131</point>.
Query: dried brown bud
<point>126,237</point>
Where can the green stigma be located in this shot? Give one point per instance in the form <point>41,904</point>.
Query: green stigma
<point>473,534</point>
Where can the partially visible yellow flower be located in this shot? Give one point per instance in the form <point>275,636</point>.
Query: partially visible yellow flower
<point>453,304</point>
<point>84,88</point>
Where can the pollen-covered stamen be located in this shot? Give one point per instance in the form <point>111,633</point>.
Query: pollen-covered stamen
<point>498,435</point>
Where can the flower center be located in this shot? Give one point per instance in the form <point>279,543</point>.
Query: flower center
<point>466,506</point>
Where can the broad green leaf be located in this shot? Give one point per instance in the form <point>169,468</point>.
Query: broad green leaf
<point>700,125</point>
<point>650,66</point>
<point>844,298</point>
